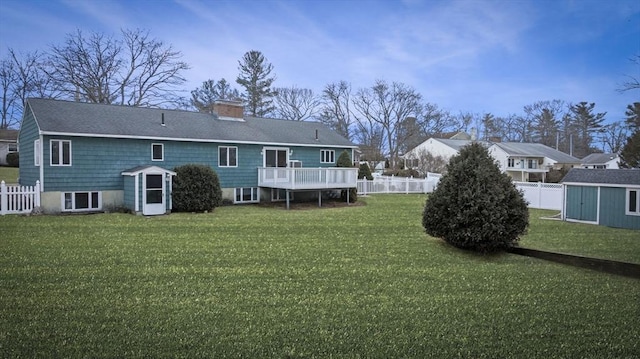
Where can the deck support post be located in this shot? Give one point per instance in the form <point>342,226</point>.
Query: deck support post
<point>287,191</point>
<point>319,198</point>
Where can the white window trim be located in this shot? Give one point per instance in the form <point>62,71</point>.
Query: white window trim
<point>36,153</point>
<point>323,155</point>
<point>254,190</point>
<point>60,156</point>
<point>626,202</point>
<point>162,152</point>
<point>227,147</point>
<point>73,202</point>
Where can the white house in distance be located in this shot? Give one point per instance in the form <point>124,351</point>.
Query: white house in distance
<point>519,160</point>
<point>600,161</point>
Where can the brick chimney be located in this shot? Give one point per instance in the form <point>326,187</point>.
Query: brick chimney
<point>229,110</point>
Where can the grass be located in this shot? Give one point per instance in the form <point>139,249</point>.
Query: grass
<point>250,281</point>
<point>9,174</point>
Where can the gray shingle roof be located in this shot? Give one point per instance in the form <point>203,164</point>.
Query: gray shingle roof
<point>603,176</point>
<point>535,150</point>
<point>86,119</point>
<point>598,158</point>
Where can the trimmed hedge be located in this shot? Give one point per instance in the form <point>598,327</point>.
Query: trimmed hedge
<point>196,188</point>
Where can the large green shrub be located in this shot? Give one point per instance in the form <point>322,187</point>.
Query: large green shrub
<point>475,206</point>
<point>13,159</point>
<point>364,172</point>
<point>196,188</point>
<point>344,160</point>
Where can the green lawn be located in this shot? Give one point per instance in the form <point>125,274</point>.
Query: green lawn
<point>258,282</point>
<point>9,175</point>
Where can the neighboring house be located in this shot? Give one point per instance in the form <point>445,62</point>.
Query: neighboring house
<point>608,197</point>
<point>519,160</point>
<point>8,144</point>
<point>437,147</point>
<point>600,161</point>
<point>93,157</point>
<point>530,161</point>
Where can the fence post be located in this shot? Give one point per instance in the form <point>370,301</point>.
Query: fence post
<point>37,194</point>
<point>3,198</point>
<point>406,182</point>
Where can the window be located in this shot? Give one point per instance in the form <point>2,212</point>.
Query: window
<point>533,164</point>
<point>295,164</point>
<point>60,153</point>
<point>13,147</point>
<point>36,153</point>
<point>247,195</point>
<point>227,156</point>
<point>278,195</point>
<point>511,162</point>
<point>81,201</point>
<point>157,152</point>
<point>327,156</point>
<point>633,202</point>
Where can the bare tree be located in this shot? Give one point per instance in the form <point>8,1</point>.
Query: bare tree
<point>387,106</point>
<point>136,71</point>
<point>335,108</point>
<point>632,82</point>
<point>614,137</point>
<point>296,104</point>
<point>7,79</point>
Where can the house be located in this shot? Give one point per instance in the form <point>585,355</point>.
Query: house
<point>437,147</point>
<point>608,197</point>
<point>8,144</point>
<point>95,157</point>
<point>530,161</point>
<point>522,161</point>
<point>600,161</point>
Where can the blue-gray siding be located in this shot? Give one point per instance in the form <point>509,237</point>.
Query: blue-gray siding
<point>29,173</point>
<point>97,163</point>
<point>582,204</point>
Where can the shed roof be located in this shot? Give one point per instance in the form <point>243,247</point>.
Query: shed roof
<point>535,149</point>
<point>603,176</point>
<point>100,120</point>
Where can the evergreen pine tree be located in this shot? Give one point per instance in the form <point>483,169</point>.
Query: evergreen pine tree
<point>255,78</point>
<point>475,206</point>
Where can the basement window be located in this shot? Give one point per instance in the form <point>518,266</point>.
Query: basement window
<point>247,195</point>
<point>81,201</point>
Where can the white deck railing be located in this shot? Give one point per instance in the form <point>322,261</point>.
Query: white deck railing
<point>307,178</point>
<point>19,199</point>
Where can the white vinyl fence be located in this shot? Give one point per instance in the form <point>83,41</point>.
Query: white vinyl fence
<point>19,199</point>
<point>391,184</point>
<point>542,195</point>
<point>538,195</point>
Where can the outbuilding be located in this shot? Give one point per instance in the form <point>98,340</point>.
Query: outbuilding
<point>608,197</point>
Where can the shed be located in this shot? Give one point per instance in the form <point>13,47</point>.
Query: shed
<point>607,197</point>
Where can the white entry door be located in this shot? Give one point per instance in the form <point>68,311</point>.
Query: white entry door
<point>154,198</point>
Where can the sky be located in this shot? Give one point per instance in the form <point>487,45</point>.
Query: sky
<point>477,56</point>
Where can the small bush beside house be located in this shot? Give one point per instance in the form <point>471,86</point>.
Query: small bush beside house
<point>364,172</point>
<point>475,206</point>
<point>13,159</point>
<point>196,188</point>
<point>344,160</point>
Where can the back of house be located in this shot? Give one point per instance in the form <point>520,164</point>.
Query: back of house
<point>95,157</point>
